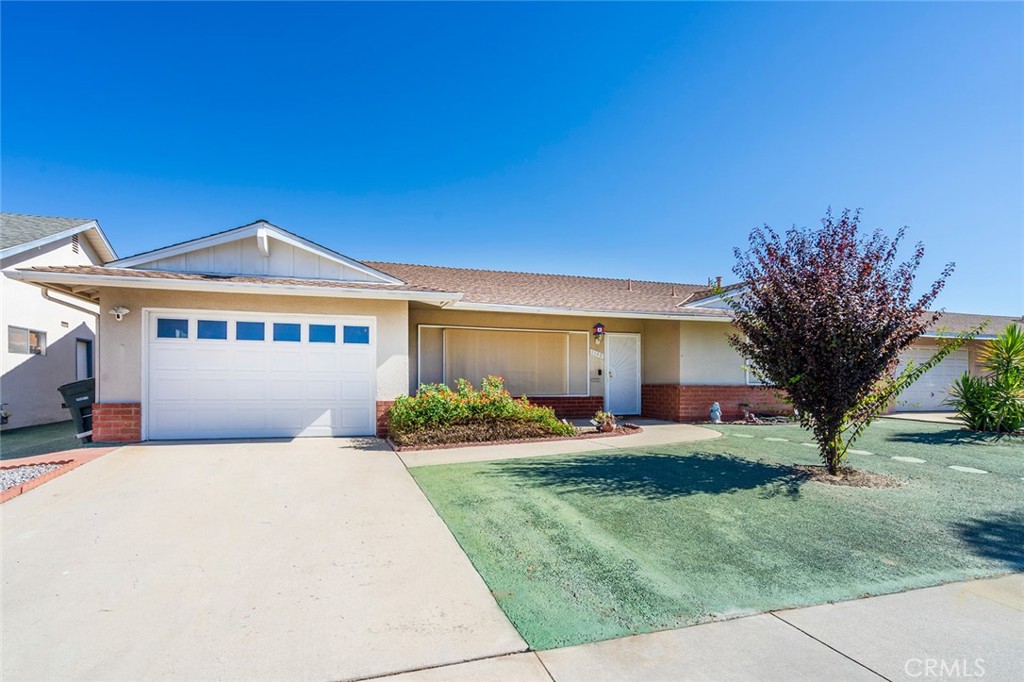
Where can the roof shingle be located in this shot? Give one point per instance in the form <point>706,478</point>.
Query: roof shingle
<point>549,291</point>
<point>19,228</point>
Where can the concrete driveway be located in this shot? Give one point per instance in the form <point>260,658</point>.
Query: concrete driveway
<point>314,559</point>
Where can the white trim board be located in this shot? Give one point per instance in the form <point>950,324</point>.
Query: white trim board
<point>167,283</point>
<point>259,230</point>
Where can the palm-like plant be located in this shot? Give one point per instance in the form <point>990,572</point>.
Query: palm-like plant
<point>994,402</point>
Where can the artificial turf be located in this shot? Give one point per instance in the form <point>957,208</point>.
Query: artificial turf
<point>579,548</point>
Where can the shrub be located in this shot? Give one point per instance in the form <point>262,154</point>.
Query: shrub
<point>994,402</point>
<point>438,414</point>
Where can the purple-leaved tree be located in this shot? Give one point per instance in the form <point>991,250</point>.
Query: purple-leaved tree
<point>825,315</point>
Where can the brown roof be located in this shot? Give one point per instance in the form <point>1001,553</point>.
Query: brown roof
<point>962,322</point>
<point>238,279</point>
<point>551,291</point>
<point>523,289</point>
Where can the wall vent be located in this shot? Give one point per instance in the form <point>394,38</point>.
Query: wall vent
<point>74,243</point>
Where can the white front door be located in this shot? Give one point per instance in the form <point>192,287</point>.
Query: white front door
<point>622,374</point>
<point>216,374</point>
<point>929,392</point>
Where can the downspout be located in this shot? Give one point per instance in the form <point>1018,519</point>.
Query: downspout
<point>96,314</point>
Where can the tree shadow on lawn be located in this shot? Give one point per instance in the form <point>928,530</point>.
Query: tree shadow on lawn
<point>998,536</point>
<point>656,476</point>
<point>956,435</point>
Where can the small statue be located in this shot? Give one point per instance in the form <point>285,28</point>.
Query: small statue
<point>716,413</point>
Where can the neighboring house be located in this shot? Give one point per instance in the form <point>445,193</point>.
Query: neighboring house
<point>257,332</point>
<point>48,338</point>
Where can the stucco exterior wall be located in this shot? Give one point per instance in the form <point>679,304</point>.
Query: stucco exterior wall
<point>120,347</point>
<point>707,359</point>
<point>28,386</point>
<point>660,349</point>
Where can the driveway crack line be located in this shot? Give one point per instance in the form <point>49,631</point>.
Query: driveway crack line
<point>829,646</point>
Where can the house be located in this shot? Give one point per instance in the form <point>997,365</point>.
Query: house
<point>257,332</point>
<point>49,336</point>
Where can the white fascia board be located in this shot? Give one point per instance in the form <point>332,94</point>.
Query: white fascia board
<point>57,236</point>
<point>547,310</point>
<point>700,303</point>
<point>951,335</point>
<point>252,230</point>
<point>122,282</point>
<point>194,245</point>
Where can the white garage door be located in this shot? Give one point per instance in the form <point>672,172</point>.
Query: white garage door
<point>928,392</point>
<point>231,375</point>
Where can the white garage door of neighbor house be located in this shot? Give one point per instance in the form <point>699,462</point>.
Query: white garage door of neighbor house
<point>928,392</point>
<point>231,375</point>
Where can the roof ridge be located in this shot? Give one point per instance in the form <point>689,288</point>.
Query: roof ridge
<point>48,217</point>
<point>537,274</point>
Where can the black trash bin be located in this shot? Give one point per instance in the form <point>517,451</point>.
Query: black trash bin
<point>79,397</point>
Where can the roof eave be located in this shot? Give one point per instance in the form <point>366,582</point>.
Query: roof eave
<point>596,312</point>
<point>279,289</point>
<point>252,229</point>
<point>93,233</point>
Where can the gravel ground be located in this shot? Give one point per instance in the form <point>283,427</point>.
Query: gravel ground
<point>10,478</point>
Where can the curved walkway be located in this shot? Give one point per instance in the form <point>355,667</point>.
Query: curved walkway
<point>654,433</point>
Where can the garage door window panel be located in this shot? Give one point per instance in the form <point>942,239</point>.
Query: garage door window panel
<point>322,333</point>
<point>287,331</point>
<point>171,328</point>
<point>216,330</point>
<point>250,331</point>
<point>356,334</point>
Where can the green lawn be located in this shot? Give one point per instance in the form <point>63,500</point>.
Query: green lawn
<point>579,548</point>
<point>38,440</point>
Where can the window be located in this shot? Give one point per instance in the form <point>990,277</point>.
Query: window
<point>26,341</point>
<point>356,334</point>
<point>287,331</point>
<point>536,363</point>
<point>322,333</point>
<point>753,379</point>
<point>212,329</point>
<point>167,328</point>
<point>249,331</point>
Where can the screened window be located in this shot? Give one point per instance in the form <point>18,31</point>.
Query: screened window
<point>212,329</point>
<point>322,333</point>
<point>356,334</point>
<point>531,362</point>
<point>169,328</point>
<point>26,341</point>
<point>287,331</point>
<point>250,331</point>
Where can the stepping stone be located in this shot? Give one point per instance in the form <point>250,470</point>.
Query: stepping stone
<point>968,470</point>
<point>861,452</point>
<point>778,440</point>
<point>742,435</point>
<point>912,460</point>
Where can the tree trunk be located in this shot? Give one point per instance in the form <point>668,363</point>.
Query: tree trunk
<point>832,459</point>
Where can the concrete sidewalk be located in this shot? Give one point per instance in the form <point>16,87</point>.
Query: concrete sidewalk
<point>654,433</point>
<point>962,630</point>
<point>930,417</point>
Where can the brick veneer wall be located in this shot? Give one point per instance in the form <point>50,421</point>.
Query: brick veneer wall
<point>693,403</point>
<point>572,407</point>
<point>382,417</point>
<point>116,422</point>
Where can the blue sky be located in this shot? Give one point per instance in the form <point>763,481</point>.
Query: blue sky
<point>616,140</point>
